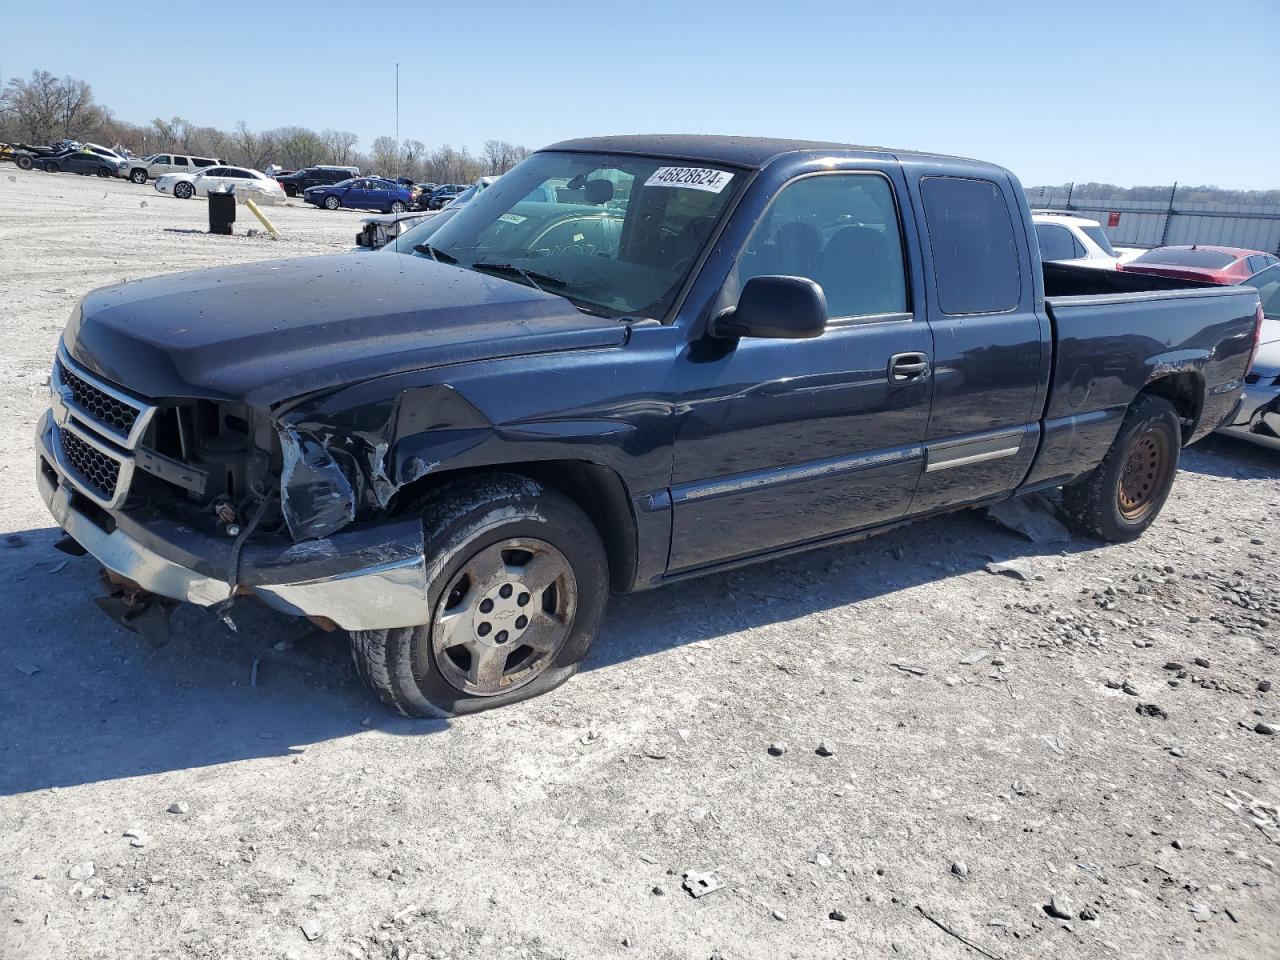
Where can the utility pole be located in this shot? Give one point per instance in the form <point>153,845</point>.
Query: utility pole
<point>397,114</point>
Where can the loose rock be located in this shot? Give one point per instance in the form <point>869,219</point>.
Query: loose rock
<point>1059,908</point>
<point>960,869</point>
<point>1264,728</point>
<point>81,871</point>
<point>825,750</point>
<point>777,749</point>
<point>179,806</point>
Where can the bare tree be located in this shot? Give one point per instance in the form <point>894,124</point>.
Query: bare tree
<point>341,145</point>
<point>254,149</point>
<point>384,156</point>
<point>36,105</point>
<point>411,154</point>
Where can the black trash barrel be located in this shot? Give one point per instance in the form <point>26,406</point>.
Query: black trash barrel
<point>222,212</point>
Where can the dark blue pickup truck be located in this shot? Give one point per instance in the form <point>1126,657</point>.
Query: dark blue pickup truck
<point>683,354</point>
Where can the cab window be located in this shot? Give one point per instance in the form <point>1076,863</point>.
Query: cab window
<point>839,230</point>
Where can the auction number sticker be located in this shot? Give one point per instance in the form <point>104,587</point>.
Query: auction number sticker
<point>691,178</point>
<point>512,218</point>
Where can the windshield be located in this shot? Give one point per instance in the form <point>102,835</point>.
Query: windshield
<point>615,234</point>
<point>1268,283</point>
<point>1187,257</point>
<point>1101,239</point>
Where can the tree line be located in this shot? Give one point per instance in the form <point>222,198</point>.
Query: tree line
<point>44,108</point>
<point>1186,193</point>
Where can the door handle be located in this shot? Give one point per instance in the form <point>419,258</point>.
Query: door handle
<point>906,367</point>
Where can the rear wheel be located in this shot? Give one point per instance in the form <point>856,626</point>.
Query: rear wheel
<point>138,176</point>
<point>332,203</point>
<point>183,191</point>
<point>517,586</point>
<point>1124,495</point>
<point>397,207</point>
<point>105,172</point>
<point>52,167</point>
<point>24,162</point>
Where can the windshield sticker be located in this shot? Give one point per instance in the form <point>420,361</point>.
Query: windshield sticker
<point>691,178</point>
<point>512,218</point>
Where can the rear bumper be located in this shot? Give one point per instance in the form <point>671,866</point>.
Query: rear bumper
<point>362,578</point>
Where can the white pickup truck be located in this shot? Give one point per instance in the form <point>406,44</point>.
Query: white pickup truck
<point>142,169</point>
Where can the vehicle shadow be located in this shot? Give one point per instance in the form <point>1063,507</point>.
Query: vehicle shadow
<point>1223,456</point>
<point>84,700</point>
<point>641,624</point>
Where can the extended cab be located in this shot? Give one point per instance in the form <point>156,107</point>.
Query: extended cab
<point>689,353</point>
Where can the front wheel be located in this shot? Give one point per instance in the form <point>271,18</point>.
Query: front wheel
<point>517,582</point>
<point>105,172</point>
<point>397,207</point>
<point>1124,495</point>
<point>332,203</point>
<point>24,162</point>
<point>52,167</point>
<point>138,176</point>
<point>183,191</point>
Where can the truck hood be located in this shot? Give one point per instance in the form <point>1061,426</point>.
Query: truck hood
<point>268,332</point>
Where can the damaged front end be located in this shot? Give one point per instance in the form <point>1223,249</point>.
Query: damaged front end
<point>204,501</point>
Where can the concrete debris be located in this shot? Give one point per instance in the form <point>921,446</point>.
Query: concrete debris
<point>1059,908</point>
<point>700,883</point>
<point>777,749</point>
<point>311,929</point>
<point>1018,569</point>
<point>1264,728</point>
<point>838,914</point>
<point>960,869</point>
<point>81,871</point>
<point>1031,516</point>
<point>137,837</point>
<point>825,749</point>
<point>179,806</point>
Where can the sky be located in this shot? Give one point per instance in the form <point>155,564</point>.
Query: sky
<point>1119,92</point>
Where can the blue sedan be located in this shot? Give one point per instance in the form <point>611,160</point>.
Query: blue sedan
<point>361,193</point>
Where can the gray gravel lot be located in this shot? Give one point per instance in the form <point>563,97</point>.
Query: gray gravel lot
<point>1010,772</point>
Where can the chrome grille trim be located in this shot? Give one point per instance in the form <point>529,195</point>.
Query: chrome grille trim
<point>111,500</point>
<point>63,394</point>
<point>70,417</point>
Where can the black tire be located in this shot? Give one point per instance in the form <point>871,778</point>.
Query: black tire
<point>24,162</point>
<point>290,190</point>
<point>462,520</point>
<point>1124,495</point>
<point>183,190</point>
<point>332,203</point>
<point>105,172</point>
<point>138,176</point>
<point>52,167</point>
<point>397,207</point>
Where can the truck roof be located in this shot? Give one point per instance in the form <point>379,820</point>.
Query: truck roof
<point>747,152</point>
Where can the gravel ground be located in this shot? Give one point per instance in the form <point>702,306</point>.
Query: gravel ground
<point>1083,742</point>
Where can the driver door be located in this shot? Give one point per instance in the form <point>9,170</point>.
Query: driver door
<point>788,442</point>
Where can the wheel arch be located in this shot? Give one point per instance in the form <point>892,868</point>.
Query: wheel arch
<point>1185,391</point>
<point>598,489</point>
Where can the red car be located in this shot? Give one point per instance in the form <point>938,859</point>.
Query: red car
<point>1225,265</point>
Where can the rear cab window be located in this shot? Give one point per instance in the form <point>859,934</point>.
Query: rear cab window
<point>975,253</point>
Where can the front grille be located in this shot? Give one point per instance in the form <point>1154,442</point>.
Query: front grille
<point>91,465</point>
<point>99,404</point>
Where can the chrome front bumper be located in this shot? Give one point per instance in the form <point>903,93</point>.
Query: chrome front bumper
<point>361,596</point>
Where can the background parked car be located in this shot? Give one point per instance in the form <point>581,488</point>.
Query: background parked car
<point>140,169</point>
<point>296,184</point>
<point>362,193</point>
<point>1258,417</point>
<point>86,159</point>
<point>1224,265</point>
<point>1079,241</point>
<point>218,180</point>
<point>443,194</point>
<point>24,155</point>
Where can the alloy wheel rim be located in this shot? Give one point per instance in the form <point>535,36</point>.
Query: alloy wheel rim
<point>1143,474</point>
<point>504,617</point>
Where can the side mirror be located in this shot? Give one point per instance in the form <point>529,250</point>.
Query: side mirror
<point>786,308</point>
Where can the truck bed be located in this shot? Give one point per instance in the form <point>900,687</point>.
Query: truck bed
<point>1113,334</point>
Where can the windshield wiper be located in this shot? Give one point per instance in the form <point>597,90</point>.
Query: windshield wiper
<point>530,277</point>
<point>438,255</point>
